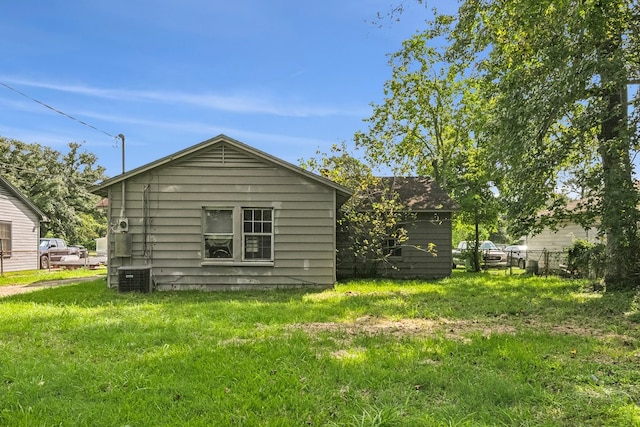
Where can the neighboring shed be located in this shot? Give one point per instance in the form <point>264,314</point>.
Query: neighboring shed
<point>430,209</point>
<point>19,229</point>
<point>222,215</point>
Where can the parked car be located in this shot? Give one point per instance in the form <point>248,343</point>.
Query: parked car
<point>517,255</point>
<point>490,255</point>
<point>52,250</point>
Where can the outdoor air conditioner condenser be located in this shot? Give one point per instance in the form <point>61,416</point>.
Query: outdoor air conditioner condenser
<point>134,279</point>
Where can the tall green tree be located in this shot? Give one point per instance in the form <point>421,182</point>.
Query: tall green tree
<point>57,183</point>
<point>420,127</point>
<point>556,74</point>
<point>369,220</point>
<point>430,122</point>
<point>475,193</point>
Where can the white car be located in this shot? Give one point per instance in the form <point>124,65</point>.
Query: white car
<point>517,255</point>
<point>489,252</point>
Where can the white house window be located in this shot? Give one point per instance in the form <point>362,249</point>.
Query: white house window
<point>218,233</point>
<point>257,231</point>
<point>236,234</point>
<point>5,238</point>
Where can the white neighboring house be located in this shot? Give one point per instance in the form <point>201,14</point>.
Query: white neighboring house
<point>19,229</point>
<point>101,249</point>
<point>556,242</point>
<point>564,237</point>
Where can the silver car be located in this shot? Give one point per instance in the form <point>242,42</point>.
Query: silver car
<point>517,255</point>
<point>490,255</point>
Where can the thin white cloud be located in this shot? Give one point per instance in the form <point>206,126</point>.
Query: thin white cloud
<point>207,129</point>
<point>239,103</point>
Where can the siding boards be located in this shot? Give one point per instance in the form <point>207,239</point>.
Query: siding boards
<point>299,230</point>
<point>415,263</point>
<point>192,175</point>
<point>304,240</point>
<point>558,241</point>
<point>419,264</point>
<point>25,233</point>
<point>256,195</point>
<point>299,246</point>
<point>305,254</point>
<point>307,223</point>
<point>304,216</point>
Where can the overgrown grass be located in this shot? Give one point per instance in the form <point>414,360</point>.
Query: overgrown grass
<point>34,276</point>
<point>472,350</point>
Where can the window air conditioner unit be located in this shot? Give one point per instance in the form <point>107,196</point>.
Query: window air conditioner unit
<point>134,279</point>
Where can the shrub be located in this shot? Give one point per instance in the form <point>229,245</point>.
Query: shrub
<point>586,259</point>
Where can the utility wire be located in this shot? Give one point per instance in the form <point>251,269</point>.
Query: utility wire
<point>57,111</point>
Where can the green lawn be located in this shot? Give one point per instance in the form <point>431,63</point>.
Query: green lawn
<point>34,276</point>
<point>473,350</point>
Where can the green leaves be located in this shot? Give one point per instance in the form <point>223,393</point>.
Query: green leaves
<point>57,184</point>
<point>420,126</point>
<point>369,220</point>
<point>432,123</point>
<point>554,79</point>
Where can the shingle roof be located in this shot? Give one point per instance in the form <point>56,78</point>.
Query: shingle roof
<point>420,193</point>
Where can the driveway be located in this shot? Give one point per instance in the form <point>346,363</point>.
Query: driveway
<point>8,290</point>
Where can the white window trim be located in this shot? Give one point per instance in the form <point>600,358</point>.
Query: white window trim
<point>7,252</point>
<point>238,238</point>
<point>204,235</point>
<point>243,234</point>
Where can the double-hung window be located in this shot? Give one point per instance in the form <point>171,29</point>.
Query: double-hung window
<point>218,233</point>
<point>257,231</point>
<point>238,234</point>
<point>5,238</point>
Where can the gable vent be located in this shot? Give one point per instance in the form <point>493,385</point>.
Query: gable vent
<point>134,279</point>
<point>222,155</point>
<point>225,155</point>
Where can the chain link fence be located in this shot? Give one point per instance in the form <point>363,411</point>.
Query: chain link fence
<point>544,262</point>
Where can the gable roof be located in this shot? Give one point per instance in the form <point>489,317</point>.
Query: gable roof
<point>342,193</point>
<point>18,195</point>
<point>420,194</point>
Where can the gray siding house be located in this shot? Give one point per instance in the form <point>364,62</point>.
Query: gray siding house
<point>222,215</point>
<point>19,229</point>
<point>430,209</point>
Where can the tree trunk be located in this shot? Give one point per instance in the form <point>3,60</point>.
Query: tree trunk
<point>476,246</point>
<point>619,198</point>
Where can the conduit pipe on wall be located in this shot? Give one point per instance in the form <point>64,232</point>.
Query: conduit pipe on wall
<point>122,203</point>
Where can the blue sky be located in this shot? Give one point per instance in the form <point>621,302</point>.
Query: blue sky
<point>287,77</point>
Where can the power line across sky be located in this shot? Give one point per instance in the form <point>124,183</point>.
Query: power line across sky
<point>288,78</point>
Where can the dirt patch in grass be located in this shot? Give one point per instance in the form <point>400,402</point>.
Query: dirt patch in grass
<point>371,325</point>
<point>458,330</point>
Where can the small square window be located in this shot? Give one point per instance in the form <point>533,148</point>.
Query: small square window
<point>392,248</point>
